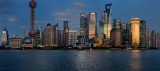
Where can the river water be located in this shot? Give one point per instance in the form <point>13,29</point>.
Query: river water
<point>79,60</point>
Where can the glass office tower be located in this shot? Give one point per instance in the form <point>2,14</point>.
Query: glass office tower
<point>92,25</point>
<point>84,25</point>
<point>135,32</point>
<point>109,18</point>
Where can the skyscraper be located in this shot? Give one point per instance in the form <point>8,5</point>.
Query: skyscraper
<point>26,33</point>
<point>84,25</point>
<point>59,38</point>
<point>109,18</point>
<point>125,28</point>
<point>153,39</point>
<point>101,30</point>
<point>5,37</point>
<point>116,37</point>
<point>103,26</point>
<point>39,36</point>
<point>135,32</point>
<point>32,32</point>
<point>66,28</point>
<point>157,40</point>
<point>147,38</point>
<point>71,38</point>
<point>116,33</point>
<point>57,34</point>
<point>92,28</point>
<point>142,33</point>
<point>65,24</point>
<point>117,24</point>
<point>48,36</point>
<point>32,5</point>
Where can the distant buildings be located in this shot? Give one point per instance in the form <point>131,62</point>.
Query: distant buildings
<point>80,40</point>
<point>26,33</point>
<point>48,36</point>
<point>84,25</point>
<point>125,37</point>
<point>39,36</point>
<point>92,28</point>
<point>65,29</point>
<point>108,9</point>
<point>5,37</point>
<point>116,33</point>
<point>147,38</point>
<point>57,34</point>
<point>103,26</point>
<point>15,42</point>
<point>135,32</point>
<point>142,33</point>
<point>153,39</point>
<point>71,38</point>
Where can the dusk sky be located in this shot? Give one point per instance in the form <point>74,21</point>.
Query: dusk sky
<point>15,14</point>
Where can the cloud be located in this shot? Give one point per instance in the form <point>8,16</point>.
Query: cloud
<point>9,20</point>
<point>70,14</point>
<point>22,27</point>
<point>79,5</point>
<point>12,20</point>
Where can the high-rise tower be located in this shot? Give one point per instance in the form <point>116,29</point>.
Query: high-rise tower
<point>109,18</point>
<point>5,37</point>
<point>32,32</point>
<point>135,32</point>
<point>32,5</point>
<point>84,25</point>
<point>92,28</point>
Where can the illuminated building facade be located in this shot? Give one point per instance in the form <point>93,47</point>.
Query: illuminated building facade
<point>142,33</point>
<point>39,36</point>
<point>117,24</point>
<point>66,28</point>
<point>15,42</point>
<point>92,28</point>
<point>135,32</point>
<point>5,37</point>
<point>108,9</point>
<point>84,25</point>
<point>48,36</point>
<point>101,30</point>
<point>116,37</point>
<point>71,38</point>
<point>103,26</point>
<point>125,28</point>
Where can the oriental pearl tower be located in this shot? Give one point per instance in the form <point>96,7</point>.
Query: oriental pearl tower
<point>32,32</point>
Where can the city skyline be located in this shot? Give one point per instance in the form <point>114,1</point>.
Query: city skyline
<point>15,19</point>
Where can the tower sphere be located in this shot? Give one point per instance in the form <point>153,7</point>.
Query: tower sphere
<point>32,4</point>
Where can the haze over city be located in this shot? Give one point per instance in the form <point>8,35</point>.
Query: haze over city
<point>15,14</point>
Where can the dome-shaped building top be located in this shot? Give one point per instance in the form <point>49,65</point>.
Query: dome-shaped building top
<point>33,4</point>
<point>48,24</point>
<point>27,40</point>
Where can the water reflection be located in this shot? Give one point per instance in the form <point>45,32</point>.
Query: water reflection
<point>135,60</point>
